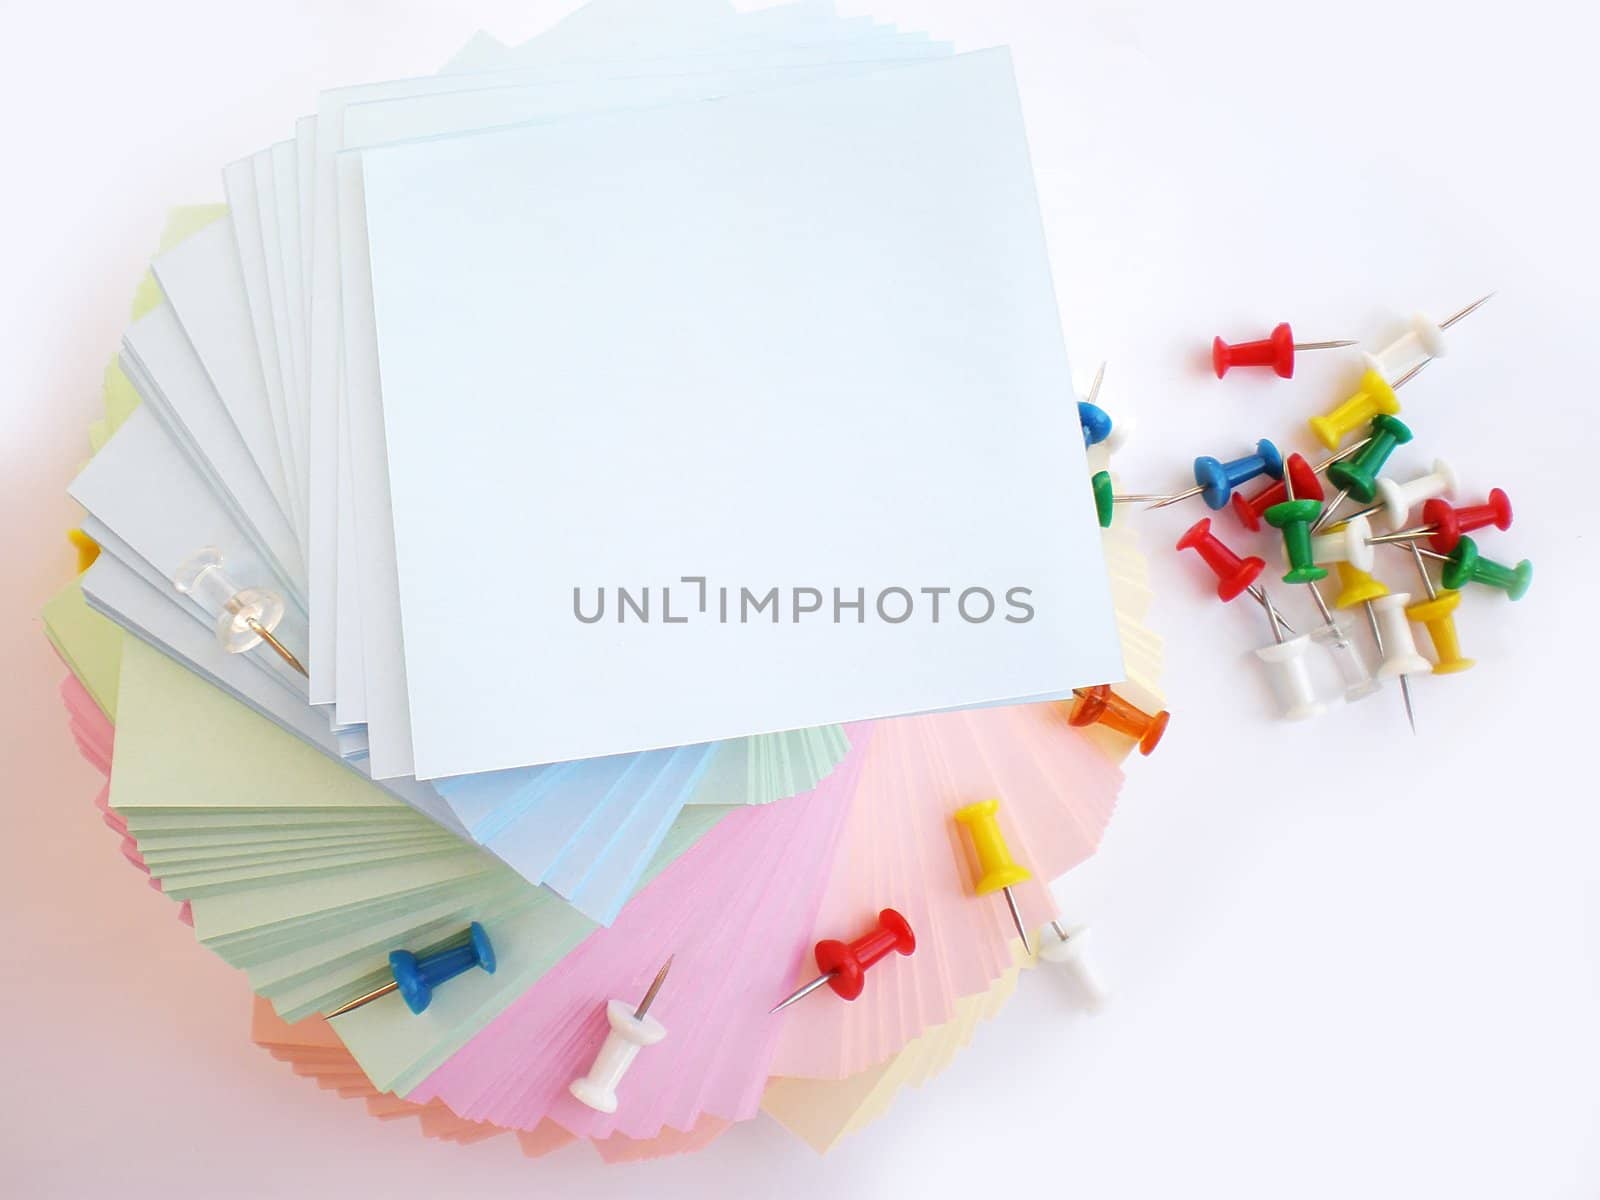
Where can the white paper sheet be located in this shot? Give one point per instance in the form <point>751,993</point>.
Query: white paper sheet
<point>849,278</point>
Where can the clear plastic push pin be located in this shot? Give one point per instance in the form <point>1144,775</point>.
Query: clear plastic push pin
<point>245,617</point>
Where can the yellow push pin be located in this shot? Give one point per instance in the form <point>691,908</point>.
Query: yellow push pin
<point>999,871</point>
<point>88,549</point>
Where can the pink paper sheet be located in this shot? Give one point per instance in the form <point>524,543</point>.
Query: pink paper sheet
<point>902,849</point>
<point>736,911</point>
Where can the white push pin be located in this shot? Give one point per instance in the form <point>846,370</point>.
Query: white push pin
<point>1396,501</point>
<point>1354,671</point>
<point>245,617</point>
<point>1121,434</point>
<point>1067,950</point>
<point>1290,677</point>
<point>631,1028</point>
<point>1346,544</point>
<point>1400,655</point>
<point>1425,340</point>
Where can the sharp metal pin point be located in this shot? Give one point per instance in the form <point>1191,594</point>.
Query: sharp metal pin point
<point>1420,344</point>
<point>1277,351</point>
<point>997,870</point>
<point>415,976</point>
<point>243,618</point>
<point>844,964</point>
<point>1400,657</point>
<point>1106,498</point>
<point>1437,616</point>
<point>630,1032</point>
<point>1217,479</point>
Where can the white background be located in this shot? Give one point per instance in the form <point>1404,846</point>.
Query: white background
<point>1347,962</point>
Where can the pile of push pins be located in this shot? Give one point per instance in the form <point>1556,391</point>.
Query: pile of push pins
<point>1425,518</point>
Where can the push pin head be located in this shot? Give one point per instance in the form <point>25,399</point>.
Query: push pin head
<point>1347,542</point>
<point>1297,473</point>
<point>847,962</point>
<point>1466,565</point>
<point>1396,500</point>
<point>415,976</point>
<point>1067,949</point>
<point>1105,498</point>
<point>88,549</point>
<point>1400,655</point>
<point>1437,616</point>
<point>241,614</point>
<point>1217,480</point>
<point>630,1032</point>
<point>844,964</point>
<point>1290,678</point>
<point>1359,475</point>
<point>998,871</point>
<point>1356,586</point>
<point>1095,422</point>
<point>1294,518</point>
<point>1102,706</point>
<point>1234,574</point>
<point>1093,419</point>
<point>1372,398</point>
<point>1450,524</point>
<point>1277,351</point>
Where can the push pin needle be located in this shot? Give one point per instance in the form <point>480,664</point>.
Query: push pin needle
<point>655,987</point>
<point>278,648</point>
<point>801,993</point>
<point>843,965</point>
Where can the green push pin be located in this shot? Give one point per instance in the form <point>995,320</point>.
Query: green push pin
<point>1465,565</point>
<point>1294,518</point>
<point>1106,499</point>
<point>1358,476</point>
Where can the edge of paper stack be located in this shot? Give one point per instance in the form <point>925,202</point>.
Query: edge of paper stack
<point>304,873</point>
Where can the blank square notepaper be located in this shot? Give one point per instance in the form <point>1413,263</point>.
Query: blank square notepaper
<point>729,417</point>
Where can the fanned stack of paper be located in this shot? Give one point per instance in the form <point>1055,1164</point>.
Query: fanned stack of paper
<point>622,491</point>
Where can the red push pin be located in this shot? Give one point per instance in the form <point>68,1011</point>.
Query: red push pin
<point>1307,486</point>
<point>1100,705</point>
<point>844,965</point>
<point>1445,525</point>
<point>1276,351</point>
<point>1234,574</point>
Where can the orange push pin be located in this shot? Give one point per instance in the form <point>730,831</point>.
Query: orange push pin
<point>999,871</point>
<point>88,549</point>
<point>1103,706</point>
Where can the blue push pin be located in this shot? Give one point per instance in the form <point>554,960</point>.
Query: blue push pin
<point>1217,479</point>
<point>415,977</point>
<point>1096,424</point>
<point>1094,419</point>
